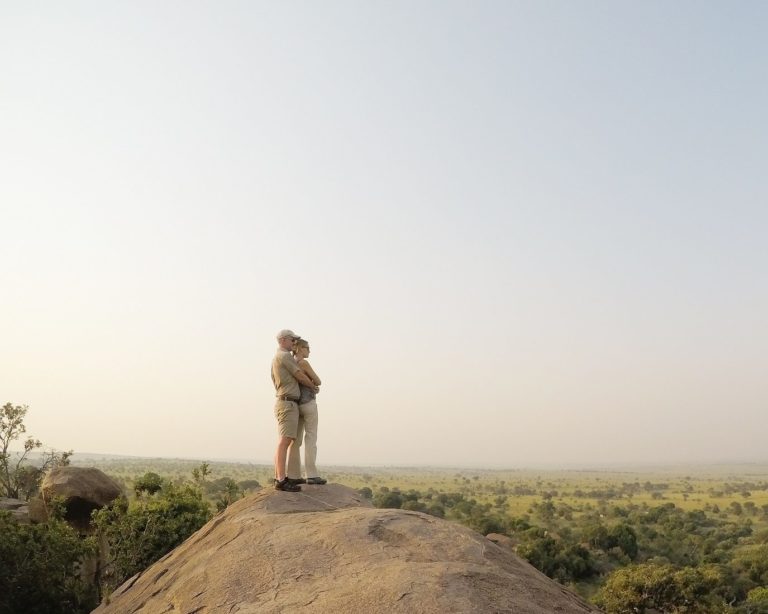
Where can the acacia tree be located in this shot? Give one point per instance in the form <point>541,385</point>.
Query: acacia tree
<point>199,474</point>
<point>16,477</point>
<point>11,428</point>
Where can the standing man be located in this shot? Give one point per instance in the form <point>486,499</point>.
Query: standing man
<point>286,376</point>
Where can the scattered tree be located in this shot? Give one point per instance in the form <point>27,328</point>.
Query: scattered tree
<point>201,473</point>
<point>149,483</point>
<point>229,495</point>
<point>17,477</point>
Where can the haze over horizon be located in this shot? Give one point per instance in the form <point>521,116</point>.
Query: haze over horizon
<point>719,466</point>
<point>514,233</point>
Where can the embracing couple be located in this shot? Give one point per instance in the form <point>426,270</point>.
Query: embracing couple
<point>296,385</point>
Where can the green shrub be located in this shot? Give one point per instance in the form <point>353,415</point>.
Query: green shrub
<point>557,559</point>
<point>665,588</point>
<point>388,499</point>
<point>149,483</point>
<point>40,568</point>
<point>147,530</point>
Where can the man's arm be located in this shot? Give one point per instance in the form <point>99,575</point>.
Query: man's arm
<point>307,368</point>
<point>290,364</point>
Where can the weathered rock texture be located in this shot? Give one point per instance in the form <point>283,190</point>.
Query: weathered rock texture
<point>83,490</point>
<point>18,509</point>
<point>326,550</point>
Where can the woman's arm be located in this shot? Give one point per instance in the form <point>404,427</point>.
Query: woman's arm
<point>306,367</point>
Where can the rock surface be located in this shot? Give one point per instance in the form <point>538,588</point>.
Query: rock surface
<point>83,490</point>
<point>18,509</point>
<point>326,550</point>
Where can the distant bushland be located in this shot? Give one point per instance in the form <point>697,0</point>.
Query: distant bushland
<point>595,532</point>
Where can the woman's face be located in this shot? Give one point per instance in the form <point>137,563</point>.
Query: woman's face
<point>303,351</point>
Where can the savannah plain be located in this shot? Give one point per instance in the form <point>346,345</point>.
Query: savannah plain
<point>687,487</point>
<point>594,530</point>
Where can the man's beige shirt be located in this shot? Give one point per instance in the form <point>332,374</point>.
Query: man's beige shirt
<point>284,369</point>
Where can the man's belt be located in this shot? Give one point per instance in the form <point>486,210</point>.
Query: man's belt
<point>285,397</point>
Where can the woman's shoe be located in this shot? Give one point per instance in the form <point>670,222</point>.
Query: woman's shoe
<point>286,485</point>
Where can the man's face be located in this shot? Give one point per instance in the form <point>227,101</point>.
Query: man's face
<point>286,343</point>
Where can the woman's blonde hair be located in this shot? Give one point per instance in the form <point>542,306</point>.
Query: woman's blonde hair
<point>300,343</point>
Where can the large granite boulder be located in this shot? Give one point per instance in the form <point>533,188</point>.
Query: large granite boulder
<point>325,549</point>
<point>83,489</point>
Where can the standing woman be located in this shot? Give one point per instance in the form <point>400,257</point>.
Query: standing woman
<point>307,423</point>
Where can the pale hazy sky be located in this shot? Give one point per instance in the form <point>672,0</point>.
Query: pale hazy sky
<point>514,233</point>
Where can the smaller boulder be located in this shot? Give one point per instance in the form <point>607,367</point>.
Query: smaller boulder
<point>17,508</point>
<point>83,489</point>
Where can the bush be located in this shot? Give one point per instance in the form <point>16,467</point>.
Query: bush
<point>638,588</point>
<point>39,573</point>
<point>756,603</point>
<point>752,562</point>
<point>141,534</point>
<point>414,506</point>
<point>388,499</point>
<point>248,485</point>
<point>149,483</point>
<point>486,524</point>
<point>436,510</point>
<point>229,493</point>
<point>560,561</point>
